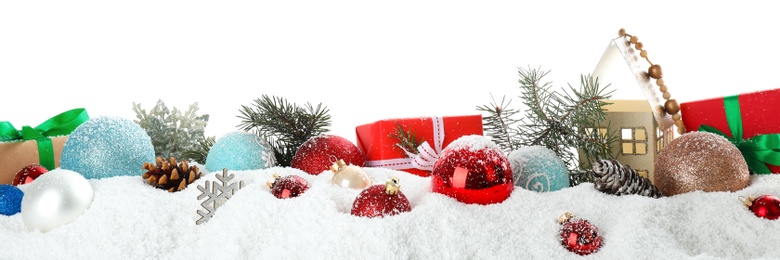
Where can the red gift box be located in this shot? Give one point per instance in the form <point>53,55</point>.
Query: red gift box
<point>380,149</point>
<point>760,119</point>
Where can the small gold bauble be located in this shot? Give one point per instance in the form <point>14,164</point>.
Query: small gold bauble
<point>349,176</point>
<point>622,32</point>
<point>655,71</point>
<point>671,106</point>
<point>633,39</point>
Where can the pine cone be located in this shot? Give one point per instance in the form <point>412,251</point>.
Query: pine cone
<point>613,178</point>
<point>169,175</point>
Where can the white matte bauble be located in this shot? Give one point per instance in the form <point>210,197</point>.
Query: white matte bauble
<point>349,176</point>
<point>54,199</point>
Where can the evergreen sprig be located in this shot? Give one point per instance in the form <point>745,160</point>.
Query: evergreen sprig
<point>286,126</point>
<point>556,120</point>
<point>175,134</point>
<point>200,152</point>
<point>407,139</point>
<point>500,124</point>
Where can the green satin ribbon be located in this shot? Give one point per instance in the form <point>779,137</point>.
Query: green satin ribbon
<point>62,124</point>
<point>758,150</point>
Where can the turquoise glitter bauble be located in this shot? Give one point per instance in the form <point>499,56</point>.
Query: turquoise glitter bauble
<point>539,169</point>
<point>105,147</point>
<point>10,199</point>
<point>238,151</point>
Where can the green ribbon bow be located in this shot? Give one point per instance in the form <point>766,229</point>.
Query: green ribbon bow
<point>62,124</point>
<point>758,150</point>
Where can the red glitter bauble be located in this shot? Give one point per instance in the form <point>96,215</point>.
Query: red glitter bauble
<point>765,206</point>
<point>473,170</point>
<point>318,154</point>
<point>380,201</point>
<point>580,236</point>
<point>289,186</point>
<point>28,174</point>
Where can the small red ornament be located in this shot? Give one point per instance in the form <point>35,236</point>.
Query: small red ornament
<point>318,153</point>
<point>765,206</point>
<point>381,201</point>
<point>28,174</point>
<point>286,187</point>
<point>472,169</point>
<point>578,235</point>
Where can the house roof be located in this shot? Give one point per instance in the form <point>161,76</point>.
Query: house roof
<point>627,106</point>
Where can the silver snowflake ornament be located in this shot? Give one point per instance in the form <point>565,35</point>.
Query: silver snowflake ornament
<point>217,193</point>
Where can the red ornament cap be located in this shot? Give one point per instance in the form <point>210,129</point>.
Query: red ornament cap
<point>28,174</point>
<point>578,235</point>
<point>765,206</point>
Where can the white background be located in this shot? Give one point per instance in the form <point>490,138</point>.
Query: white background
<point>365,60</point>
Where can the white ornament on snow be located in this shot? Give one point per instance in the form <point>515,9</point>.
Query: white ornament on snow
<point>55,199</point>
<point>217,194</point>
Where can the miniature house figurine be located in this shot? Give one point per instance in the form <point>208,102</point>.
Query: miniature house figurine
<point>640,138</point>
<point>642,127</point>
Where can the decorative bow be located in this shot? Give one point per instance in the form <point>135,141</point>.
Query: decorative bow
<point>62,124</point>
<point>426,155</point>
<point>758,150</point>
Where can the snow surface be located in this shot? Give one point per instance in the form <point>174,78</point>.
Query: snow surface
<point>131,220</point>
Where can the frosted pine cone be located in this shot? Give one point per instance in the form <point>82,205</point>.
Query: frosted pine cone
<point>613,178</point>
<point>169,175</point>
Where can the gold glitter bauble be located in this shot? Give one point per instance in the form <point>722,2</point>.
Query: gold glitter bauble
<point>700,161</point>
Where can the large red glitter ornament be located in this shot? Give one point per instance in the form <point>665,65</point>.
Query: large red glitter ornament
<point>578,235</point>
<point>765,206</point>
<point>473,170</point>
<point>318,154</point>
<point>286,187</point>
<point>28,174</point>
<point>381,201</point>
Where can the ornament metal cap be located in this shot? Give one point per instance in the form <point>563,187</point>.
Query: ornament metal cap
<point>338,165</point>
<point>392,186</point>
<point>565,217</point>
<point>747,201</point>
<point>271,181</point>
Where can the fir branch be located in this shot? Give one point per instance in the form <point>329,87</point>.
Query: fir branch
<point>286,126</point>
<point>558,121</point>
<point>199,153</point>
<point>407,140</point>
<point>499,124</point>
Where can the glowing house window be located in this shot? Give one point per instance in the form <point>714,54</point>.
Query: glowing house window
<point>633,141</point>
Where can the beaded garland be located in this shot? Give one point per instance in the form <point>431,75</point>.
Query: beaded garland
<point>671,106</point>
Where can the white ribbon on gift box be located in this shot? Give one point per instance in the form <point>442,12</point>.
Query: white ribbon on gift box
<point>426,155</point>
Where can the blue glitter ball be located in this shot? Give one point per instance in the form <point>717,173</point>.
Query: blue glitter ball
<point>10,199</point>
<point>240,151</point>
<point>105,147</point>
<point>539,169</point>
